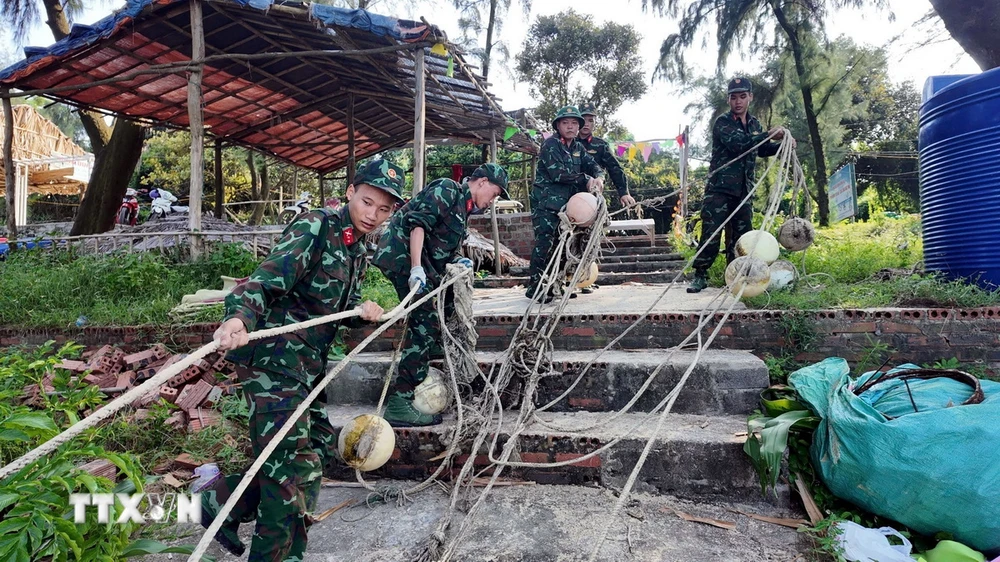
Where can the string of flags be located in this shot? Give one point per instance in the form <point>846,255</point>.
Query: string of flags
<point>625,149</point>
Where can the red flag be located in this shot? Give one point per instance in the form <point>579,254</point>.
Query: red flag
<point>680,139</point>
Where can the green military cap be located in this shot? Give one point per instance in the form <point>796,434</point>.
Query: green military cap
<point>740,84</point>
<point>588,108</point>
<point>384,175</point>
<point>567,111</point>
<point>495,174</point>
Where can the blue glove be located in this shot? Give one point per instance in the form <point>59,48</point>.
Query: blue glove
<point>418,278</point>
<point>464,261</point>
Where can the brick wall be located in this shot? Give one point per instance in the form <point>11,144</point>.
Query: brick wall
<point>515,231</point>
<point>920,335</point>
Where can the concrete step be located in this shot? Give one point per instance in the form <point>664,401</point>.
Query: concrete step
<point>531,523</point>
<point>694,456</point>
<point>628,257</point>
<point>724,382</point>
<point>640,241</point>
<point>647,278</point>
<point>633,266</point>
<point>592,321</point>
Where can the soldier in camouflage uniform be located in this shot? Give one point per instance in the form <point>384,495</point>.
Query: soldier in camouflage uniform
<point>564,169</point>
<point>732,134</point>
<point>420,241</point>
<point>315,269</point>
<point>599,150</point>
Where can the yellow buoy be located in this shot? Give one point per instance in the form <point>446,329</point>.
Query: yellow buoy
<point>589,278</point>
<point>367,442</point>
<point>759,244</point>
<point>749,274</point>
<point>431,396</point>
<point>582,209</point>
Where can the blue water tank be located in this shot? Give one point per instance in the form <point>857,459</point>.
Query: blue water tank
<point>960,178</point>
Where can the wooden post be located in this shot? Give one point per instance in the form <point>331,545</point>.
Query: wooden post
<point>493,210</point>
<point>351,153</point>
<point>322,193</point>
<point>8,164</point>
<point>683,176</point>
<point>220,198</point>
<point>196,123</point>
<point>419,117</point>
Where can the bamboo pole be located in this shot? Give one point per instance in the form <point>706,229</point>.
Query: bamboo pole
<point>219,195</point>
<point>351,151</point>
<point>8,165</point>
<point>322,192</point>
<point>419,121</point>
<point>493,210</point>
<point>197,124</point>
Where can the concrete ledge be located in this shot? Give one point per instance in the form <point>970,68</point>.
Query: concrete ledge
<point>697,456</point>
<point>724,382</point>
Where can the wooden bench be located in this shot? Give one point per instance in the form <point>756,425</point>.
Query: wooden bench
<point>646,225</point>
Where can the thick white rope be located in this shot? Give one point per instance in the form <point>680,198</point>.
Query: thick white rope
<point>389,320</point>
<point>153,383</point>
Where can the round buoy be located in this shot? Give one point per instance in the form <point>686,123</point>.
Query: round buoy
<point>759,244</point>
<point>582,209</point>
<point>783,274</point>
<point>366,443</point>
<point>749,272</point>
<point>431,396</point>
<point>796,234</point>
<point>589,278</point>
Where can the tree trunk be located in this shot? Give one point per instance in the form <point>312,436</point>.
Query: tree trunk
<point>973,25</point>
<point>258,210</point>
<point>487,53</point>
<point>113,169</point>
<point>819,176</point>
<point>129,145</point>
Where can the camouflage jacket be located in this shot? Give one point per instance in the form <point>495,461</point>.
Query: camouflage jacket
<point>599,150</point>
<point>442,209</point>
<point>730,138</point>
<point>563,170</point>
<point>314,270</point>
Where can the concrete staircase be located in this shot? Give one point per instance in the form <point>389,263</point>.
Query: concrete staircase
<point>699,451</point>
<point>624,259</point>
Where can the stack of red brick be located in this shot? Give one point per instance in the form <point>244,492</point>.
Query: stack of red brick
<point>194,391</point>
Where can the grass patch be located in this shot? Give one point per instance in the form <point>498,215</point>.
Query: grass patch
<point>864,265</point>
<point>54,289</point>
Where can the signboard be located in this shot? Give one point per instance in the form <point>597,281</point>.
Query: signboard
<point>843,193</point>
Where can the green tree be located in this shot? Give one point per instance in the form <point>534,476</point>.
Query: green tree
<point>563,52</point>
<point>785,25</point>
<point>472,23</point>
<point>116,148</point>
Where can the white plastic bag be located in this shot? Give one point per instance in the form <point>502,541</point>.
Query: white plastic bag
<point>206,473</point>
<point>861,544</point>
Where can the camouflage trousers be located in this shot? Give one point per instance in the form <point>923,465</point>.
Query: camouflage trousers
<point>714,211</point>
<point>546,225</point>
<point>423,337</point>
<point>287,486</point>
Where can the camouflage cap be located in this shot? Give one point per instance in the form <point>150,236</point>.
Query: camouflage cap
<point>567,111</point>
<point>588,108</point>
<point>388,177</point>
<point>495,174</point>
<point>740,84</point>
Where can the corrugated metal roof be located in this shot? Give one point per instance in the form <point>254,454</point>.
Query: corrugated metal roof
<point>294,107</point>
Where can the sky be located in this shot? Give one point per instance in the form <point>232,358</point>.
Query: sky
<point>660,113</point>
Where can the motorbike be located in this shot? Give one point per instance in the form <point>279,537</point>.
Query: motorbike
<point>128,213</point>
<point>163,205</point>
<point>300,207</point>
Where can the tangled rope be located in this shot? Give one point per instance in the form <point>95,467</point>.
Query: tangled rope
<point>529,354</point>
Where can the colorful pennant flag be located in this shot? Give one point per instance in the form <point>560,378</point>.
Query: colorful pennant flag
<point>509,132</point>
<point>621,150</point>
<point>646,150</point>
<point>546,135</point>
<point>450,71</point>
<point>439,49</point>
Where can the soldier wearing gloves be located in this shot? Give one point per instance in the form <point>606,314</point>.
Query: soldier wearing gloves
<point>421,240</point>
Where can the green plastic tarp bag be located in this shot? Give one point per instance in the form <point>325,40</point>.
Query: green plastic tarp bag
<point>909,450</point>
